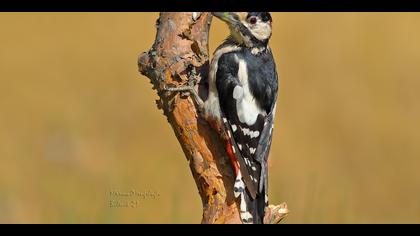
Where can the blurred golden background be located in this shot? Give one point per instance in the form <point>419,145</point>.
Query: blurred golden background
<point>80,132</point>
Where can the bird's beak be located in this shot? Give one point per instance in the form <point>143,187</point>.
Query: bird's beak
<point>228,17</point>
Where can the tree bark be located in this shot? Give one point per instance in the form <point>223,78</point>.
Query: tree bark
<point>179,54</point>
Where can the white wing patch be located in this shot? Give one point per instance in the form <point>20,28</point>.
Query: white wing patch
<point>246,106</point>
<point>238,92</point>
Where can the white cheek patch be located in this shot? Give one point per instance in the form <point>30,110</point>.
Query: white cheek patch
<point>261,30</point>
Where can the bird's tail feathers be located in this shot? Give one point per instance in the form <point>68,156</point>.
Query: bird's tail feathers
<point>252,211</point>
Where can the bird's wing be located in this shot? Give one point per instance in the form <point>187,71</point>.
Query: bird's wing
<point>246,127</point>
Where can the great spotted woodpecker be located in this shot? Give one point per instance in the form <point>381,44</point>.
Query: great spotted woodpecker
<point>243,86</point>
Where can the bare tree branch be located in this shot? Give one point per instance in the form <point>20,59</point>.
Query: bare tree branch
<point>179,56</point>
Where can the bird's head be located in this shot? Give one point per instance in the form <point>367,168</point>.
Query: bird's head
<point>252,29</point>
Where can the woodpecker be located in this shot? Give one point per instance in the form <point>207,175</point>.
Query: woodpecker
<point>243,85</point>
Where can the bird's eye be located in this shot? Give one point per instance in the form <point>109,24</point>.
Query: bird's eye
<point>253,20</point>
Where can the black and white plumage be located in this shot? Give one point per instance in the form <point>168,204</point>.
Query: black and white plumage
<point>243,89</point>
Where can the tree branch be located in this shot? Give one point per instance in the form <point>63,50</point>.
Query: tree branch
<point>178,56</point>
